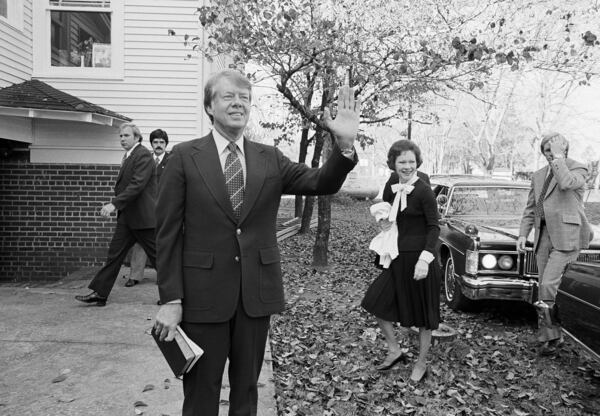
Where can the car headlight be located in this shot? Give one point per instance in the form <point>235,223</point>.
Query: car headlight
<point>506,262</point>
<point>489,261</point>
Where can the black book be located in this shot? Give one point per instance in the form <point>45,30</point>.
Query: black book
<point>181,353</point>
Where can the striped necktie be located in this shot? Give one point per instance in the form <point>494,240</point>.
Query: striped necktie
<point>539,206</point>
<point>234,179</point>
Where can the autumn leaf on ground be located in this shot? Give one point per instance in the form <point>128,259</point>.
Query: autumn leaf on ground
<point>59,378</point>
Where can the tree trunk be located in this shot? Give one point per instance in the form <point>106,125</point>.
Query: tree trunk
<point>309,202</point>
<point>409,128</point>
<point>301,159</point>
<point>323,227</point>
<point>311,78</point>
<point>321,246</point>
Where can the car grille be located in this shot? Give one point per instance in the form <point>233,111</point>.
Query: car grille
<point>589,257</point>
<point>531,263</point>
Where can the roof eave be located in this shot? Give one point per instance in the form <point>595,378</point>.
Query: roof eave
<point>85,117</point>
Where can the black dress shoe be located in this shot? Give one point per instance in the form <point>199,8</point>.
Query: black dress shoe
<point>552,347</point>
<point>131,282</point>
<point>92,298</point>
<point>388,366</point>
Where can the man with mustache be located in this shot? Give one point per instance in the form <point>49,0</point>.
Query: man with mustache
<point>135,202</point>
<point>159,140</point>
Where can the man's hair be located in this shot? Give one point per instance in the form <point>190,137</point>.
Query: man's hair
<point>159,134</point>
<point>209,89</point>
<point>549,136</point>
<point>399,147</point>
<point>136,131</point>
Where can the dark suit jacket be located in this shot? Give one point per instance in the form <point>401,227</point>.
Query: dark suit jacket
<point>135,191</point>
<point>161,168</point>
<point>207,257</point>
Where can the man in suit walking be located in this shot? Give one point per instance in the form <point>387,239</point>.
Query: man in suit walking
<point>555,209</point>
<point>159,140</point>
<point>219,271</point>
<point>135,201</point>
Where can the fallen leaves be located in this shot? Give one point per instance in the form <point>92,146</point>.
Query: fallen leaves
<point>325,347</point>
<point>59,378</point>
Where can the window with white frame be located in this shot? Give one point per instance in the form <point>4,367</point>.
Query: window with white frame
<point>11,11</point>
<point>78,38</point>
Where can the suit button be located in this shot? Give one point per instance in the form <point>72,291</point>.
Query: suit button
<point>237,259</point>
<point>238,231</point>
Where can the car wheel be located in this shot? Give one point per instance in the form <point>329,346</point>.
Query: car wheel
<point>452,293</point>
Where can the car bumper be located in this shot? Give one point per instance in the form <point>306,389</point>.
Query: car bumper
<point>495,288</point>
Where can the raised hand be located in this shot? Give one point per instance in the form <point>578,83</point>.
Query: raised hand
<point>558,147</point>
<point>345,125</point>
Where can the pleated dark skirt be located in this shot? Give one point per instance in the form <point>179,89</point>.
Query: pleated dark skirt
<point>396,297</point>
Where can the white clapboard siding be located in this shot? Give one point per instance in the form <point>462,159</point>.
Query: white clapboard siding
<point>160,88</point>
<point>16,49</point>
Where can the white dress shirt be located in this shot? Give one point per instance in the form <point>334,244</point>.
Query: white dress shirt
<point>223,151</point>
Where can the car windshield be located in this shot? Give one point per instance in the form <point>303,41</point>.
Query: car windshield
<point>488,201</point>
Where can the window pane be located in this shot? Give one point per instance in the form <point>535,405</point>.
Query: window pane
<point>80,39</point>
<point>4,8</point>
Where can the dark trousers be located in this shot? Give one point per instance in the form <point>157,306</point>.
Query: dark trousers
<point>123,239</point>
<point>242,339</point>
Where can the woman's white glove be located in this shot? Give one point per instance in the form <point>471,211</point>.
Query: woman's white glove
<point>384,224</point>
<point>421,269</point>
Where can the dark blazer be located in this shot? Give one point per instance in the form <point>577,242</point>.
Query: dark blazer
<point>135,191</point>
<point>207,257</point>
<point>161,168</point>
<point>418,226</point>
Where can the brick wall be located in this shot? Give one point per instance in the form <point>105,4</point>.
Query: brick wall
<point>49,218</point>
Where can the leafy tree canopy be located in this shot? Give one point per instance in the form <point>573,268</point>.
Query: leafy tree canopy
<point>398,51</point>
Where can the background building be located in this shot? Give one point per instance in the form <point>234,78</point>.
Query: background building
<point>71,72</point>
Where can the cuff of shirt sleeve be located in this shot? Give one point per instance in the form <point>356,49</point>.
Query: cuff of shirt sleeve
<point>426,256</point>
<point>174,302</point>
<point>349,153</point>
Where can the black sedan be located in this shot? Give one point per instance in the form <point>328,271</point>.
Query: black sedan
<point>477,248</point>
<point>578,301</point>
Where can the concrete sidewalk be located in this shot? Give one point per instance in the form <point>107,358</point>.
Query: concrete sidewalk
<point>105,355</point>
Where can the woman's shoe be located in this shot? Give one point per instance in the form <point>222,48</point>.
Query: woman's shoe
<point>388,365</point>
<point>418,375</point>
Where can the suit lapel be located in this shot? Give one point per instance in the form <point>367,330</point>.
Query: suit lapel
<point>206,159</point>
<point>126,163</point>
<point>539,177</point>
<point>255,176</point>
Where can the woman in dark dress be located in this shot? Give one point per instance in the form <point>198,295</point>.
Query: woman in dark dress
<point>408,291</point>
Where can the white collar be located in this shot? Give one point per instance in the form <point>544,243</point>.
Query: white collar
<point>222,142</point>
<point>160,158</point>
<point>128,153</point>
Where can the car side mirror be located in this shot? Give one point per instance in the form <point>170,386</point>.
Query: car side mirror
<point>442,200</point>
